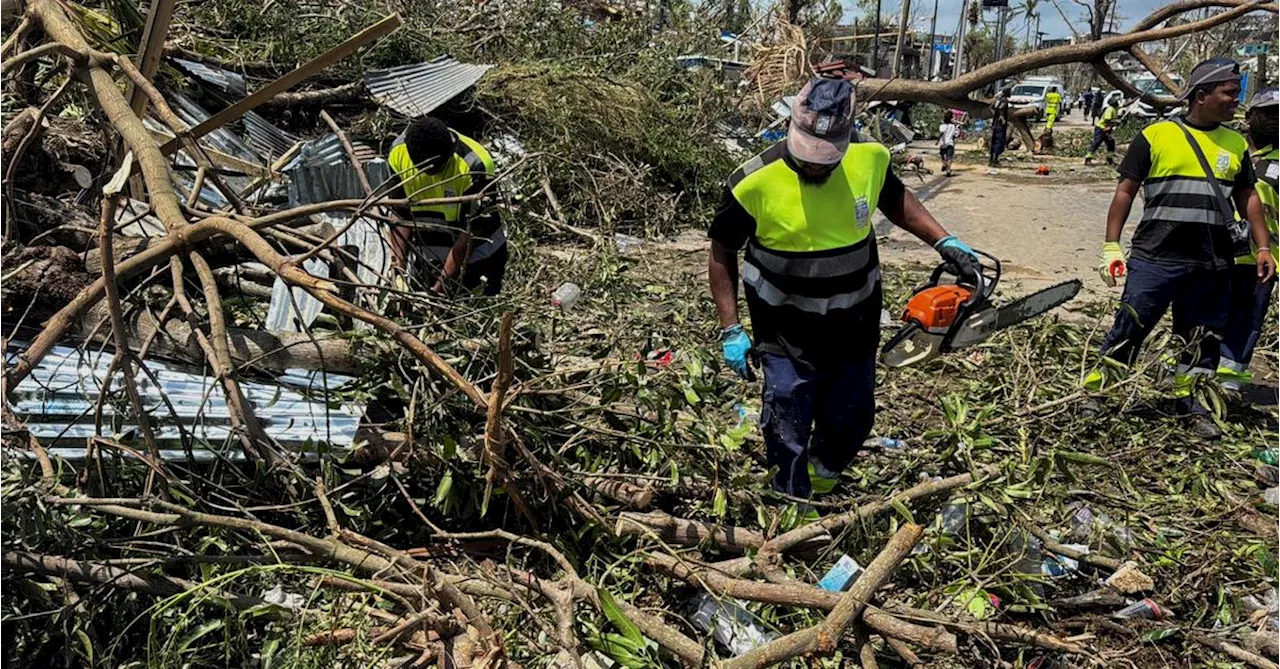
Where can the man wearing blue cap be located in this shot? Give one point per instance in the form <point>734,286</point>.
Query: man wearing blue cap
<point>811,276</point>
<point>1250,297</point>
<point>1195,175</point>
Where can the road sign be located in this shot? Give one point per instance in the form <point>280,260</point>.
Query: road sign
<point>1253,49</point>
<point>943,48</point>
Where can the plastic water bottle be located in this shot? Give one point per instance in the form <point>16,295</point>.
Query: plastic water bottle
<point>729,623</point>
<point>566,296</point>
<point>885,443</point>
<point>1087,524</point>
<point>955,516</point>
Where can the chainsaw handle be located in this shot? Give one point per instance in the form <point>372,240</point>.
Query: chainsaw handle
<point>988,276</point>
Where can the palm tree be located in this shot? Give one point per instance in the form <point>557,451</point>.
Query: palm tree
<point>1029,11</point>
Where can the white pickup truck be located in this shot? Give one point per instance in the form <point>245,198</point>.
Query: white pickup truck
<point>1031,92</point>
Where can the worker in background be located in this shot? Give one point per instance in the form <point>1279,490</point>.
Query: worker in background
<point>803,209</point>
<point>1182,251</point>
<point>1249,296</point>
<point>1086,103</point>
<point>1103,131</point>
<point>999,126</point>
<point>1052,103</point>
<point>947,140</point>
<point>462,242</point>
<point>1098,99</point>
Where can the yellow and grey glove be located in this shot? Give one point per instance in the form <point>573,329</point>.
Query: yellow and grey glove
<point>1113,265</point>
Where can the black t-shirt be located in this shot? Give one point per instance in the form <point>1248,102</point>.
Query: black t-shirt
<point>811,340</point>
<point>1179,243</point>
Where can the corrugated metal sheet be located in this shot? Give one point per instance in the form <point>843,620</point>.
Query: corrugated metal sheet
<point>416,90</point>
<point>266,137</point>
<point>291,307</point>
<point>321,172</point>
<point>57,401</point>
<point>226,81</point>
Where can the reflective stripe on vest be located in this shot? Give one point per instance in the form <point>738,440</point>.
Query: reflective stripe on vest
<point>775,297</point>
<point>813,248</point>
<point>1175,189</point>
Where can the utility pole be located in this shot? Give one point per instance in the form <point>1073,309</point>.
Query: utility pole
<point>902,34</point>
<point>1002,17</point>
<point>957,66</point>
<point>875,43</point>
<point>933,40</point>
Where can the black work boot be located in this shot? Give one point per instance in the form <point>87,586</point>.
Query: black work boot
<point>1202,426</point>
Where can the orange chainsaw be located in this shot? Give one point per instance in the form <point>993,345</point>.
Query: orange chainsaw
<point>943,317</point>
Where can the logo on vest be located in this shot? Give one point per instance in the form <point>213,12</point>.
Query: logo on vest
<point>862,210</point>
<point>1224,162</point>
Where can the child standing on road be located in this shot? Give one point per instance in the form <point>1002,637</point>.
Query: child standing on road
<point>947,141</point>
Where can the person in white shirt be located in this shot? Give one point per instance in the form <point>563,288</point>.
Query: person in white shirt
<point>947,141</point>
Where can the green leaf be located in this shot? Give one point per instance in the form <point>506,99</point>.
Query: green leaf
<point>902,510</point>
<point>1084,458</point>
<point>720,504</point>
<point>443,488</point>
<point>691,396</point>
<point>86,644</point>
<point>198,633</point>
<point>269,652</point>
<point>1152,636</point>
<point>615,615</point>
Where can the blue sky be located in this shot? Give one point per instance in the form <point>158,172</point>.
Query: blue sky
<point>1130,11</point>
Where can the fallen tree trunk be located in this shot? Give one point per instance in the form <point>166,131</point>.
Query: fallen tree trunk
<point>262,349</point>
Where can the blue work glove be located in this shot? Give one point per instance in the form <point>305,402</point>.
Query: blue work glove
<point>735,344</point>
<point>961,260</point>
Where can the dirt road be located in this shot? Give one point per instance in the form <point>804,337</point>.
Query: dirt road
<point>1045,229</point>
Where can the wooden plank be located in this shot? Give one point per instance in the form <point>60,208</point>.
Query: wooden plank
<point>149,52</point>
<point>221,159</point>
<point>337,53</point>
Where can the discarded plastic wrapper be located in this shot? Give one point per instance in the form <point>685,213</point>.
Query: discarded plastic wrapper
<point>1270,603</point>
<point>566,296</point>
<point>1057,566</point>
<point>955,516</point>
<point>885,443</point>
<point>842,574</point>
<point>732,625</point>
<point>1143,608</point>
<point>1272,496</point>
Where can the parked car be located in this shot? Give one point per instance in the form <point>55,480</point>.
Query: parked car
<point>1031,92</point>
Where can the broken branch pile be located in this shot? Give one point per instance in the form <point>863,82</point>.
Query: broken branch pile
<point>493,481</point>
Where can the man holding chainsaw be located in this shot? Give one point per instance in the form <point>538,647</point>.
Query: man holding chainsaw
<point>1192,171</point>
<point>803,211</point>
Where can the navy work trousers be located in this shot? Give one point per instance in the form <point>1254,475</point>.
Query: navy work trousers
<point>826,412</point>
<point>1248,311</point>
<point>1198,297</point>
<point>1101,137</point>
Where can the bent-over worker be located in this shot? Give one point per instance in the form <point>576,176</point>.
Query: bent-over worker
<point>1103,130</point>
<point>803,210</point>
<point>461,240</point>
